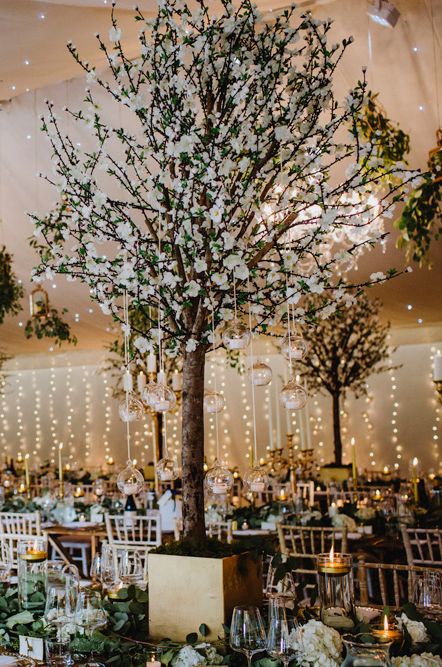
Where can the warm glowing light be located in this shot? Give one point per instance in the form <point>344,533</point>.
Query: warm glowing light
<point>385,623</point>
<point>415,462</point>
<point>332,554</point>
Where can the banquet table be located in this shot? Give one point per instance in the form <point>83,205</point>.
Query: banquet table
<point>93,533</point>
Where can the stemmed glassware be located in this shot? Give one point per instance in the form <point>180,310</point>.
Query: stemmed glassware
<point>247,634</point>
<point>282,629</point>
<point>130,568</point>
<point>90,615</point>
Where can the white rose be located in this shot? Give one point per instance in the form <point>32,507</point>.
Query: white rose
<point>415,629</point>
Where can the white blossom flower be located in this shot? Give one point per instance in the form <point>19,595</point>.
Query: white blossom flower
<point>142,344</point>
<point>192,288</point>
<point>378,275</point>
<point>191,345</point>
<point>114,34</point>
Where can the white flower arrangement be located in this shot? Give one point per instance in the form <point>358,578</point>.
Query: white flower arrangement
<point>415,629</point>
<point>422,660</point>
<point>343,520</point>
<point>317,644</point>
<point>197,656</point>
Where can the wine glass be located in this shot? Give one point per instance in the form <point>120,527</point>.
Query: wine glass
<point>282,628</point>
<point>90,615</point>
<point>58,609</point>
<point>108,569</point>
<point>96,569</point>
<point>247,634</point>
<point>130,568</point>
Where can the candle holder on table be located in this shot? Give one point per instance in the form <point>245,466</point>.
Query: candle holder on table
<point>32,573</point>
<point>365,650</point>
<point>336,590</point>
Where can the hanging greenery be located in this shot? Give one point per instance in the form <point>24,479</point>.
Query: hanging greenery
<point>421,221</point>
<point>50,325</point>
<point>391,143</point>
<point>10,290</point>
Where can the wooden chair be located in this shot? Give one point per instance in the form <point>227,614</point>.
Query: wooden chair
<point>119,550</point>
<point>139,531</point>
<point>307,542</point>
<point>222,530</point>
<point>20,523</point>
<point>423,546</point>
<point>383,584</point>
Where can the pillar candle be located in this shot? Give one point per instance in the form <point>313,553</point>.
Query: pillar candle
<point>27,472</point>
<point>60,463</point>
<point>437,368</point>
<point>354,471</point>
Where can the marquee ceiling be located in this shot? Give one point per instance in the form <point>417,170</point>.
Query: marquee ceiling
<point>34,63</point>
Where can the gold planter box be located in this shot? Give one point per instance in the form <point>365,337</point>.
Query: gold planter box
<point>185,591</point>
<point>337,474</point>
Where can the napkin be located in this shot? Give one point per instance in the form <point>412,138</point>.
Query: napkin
<point>8,661</point>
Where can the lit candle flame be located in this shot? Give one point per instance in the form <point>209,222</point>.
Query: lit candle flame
<point>60,446</point>
<point>332,554</point>
<point>385,623</point>
<point>415,462</point>
<point>352,442</point>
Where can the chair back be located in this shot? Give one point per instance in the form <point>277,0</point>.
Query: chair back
<point>222,530</point>
<point>387,585</point>
<point>9,546</point>
<point>119,550</point>
<point>310,541</point>
<point>20,523</point>
<point>423,546</point>
<point>138,530</point>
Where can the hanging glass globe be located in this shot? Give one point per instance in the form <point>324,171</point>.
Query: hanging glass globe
<point>260,374</point>
<point>130,409</point>
<point>293,396</point>
<point>159,397</point>
<point>213,402</point>
<point>236,336</point>
<point>130,481</point>
<point>256,480</point>
<point>295,348</point>
<point>219,479</point>
<point>167,470</point>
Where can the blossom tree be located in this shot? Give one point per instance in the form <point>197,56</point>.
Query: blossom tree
<point>344,350</point>
<point>243,183</point>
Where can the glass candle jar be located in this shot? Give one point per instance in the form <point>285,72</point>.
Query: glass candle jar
<point>364,650</point>
<point>32,573</point>
<point>336,590</point>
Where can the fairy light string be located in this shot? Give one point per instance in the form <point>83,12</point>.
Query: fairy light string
<point>127,370</point>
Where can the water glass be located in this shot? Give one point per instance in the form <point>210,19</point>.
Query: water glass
<point>282,629</point>
<point>428,592</point>
<point>58,652</point>
<point>247,634</point>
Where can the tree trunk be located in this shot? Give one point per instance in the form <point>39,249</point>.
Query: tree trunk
<point>193,444</point>
<point>337,429</point>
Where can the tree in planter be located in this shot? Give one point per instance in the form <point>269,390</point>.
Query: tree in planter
<point>228,191</point>
<point>344,350</point>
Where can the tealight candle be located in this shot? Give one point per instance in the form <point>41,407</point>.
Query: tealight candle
<point>34,553</point>
<point>335,564</point>
<point>388,631</point>
<point>219,488</point>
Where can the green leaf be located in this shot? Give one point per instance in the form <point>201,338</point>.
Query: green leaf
<point>204,630</point>
<point>22,617</point>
